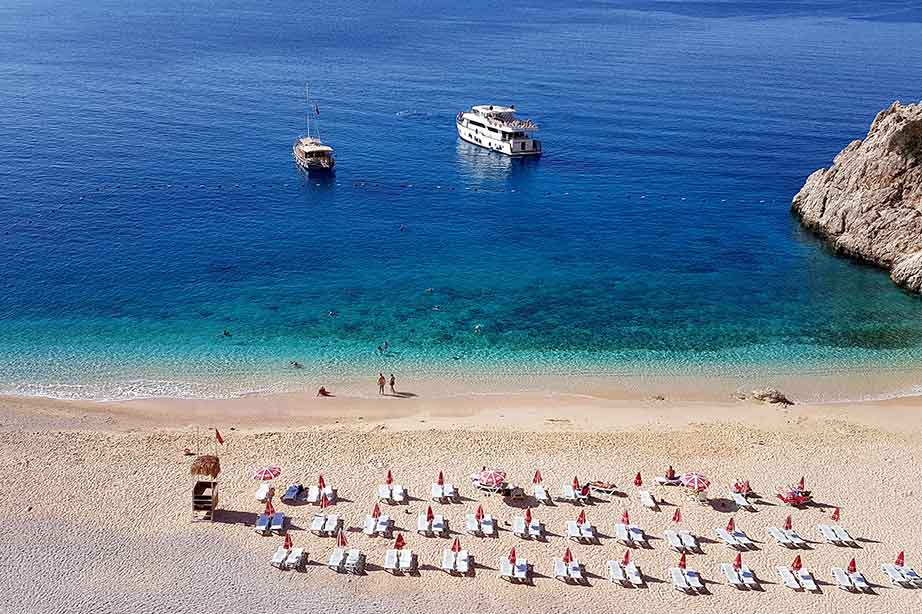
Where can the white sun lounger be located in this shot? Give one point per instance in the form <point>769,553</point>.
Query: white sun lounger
<point>536,529</point>
<point>451,493</point>
<point>471,525</point>
<point>788,578</point>
<point>573,531</point>
<point>332,525</point>
<point>674,541</point>
<point>896,575</point>
<point>694,580</point>
<point>910,574</point>
<point>278,559</point>
<point>634,576</point>
<point>313,494</point>
<point>391,560</point>
<point>317,523</point>
<point>407,561</point>
<point>742,502</point>
<point>505,569</point>
<point>262,493</point>
<point>743,540</point>
<point>575,569</point>
<point>277,525</point>
<point>337,559</point>
<point>796,539</point>
<point>295,559</point>
<point>541,495</point>
<point>622,534</point>
<point>330,492</point>
<point>616,573</point>
<point>689,541</point>
<point>844,536</point>
<point>781,537</point>
<point>370,528</point>
<point>728,539</point>
<point>521,572</point>
<point>842,580</point>
<point>398,494</point>
<point>384,493</point>
<point>860,582</point>
<point>438,493</point>
<point>647,500</point>
<point>568,494</point>
<point>806,580</point>
<point>748,578</point>
<point>439,527</point>
<point>587,533</point>
<point>733,578</point>
<point>448,561</point>
<point>560,571</point>
<point>518,527</point>
<point>355,561</point>
<point>678,580</point>
<point>488,525</point>
<point>423,526</point>
<point>385,525</point>
<point>637,535</point>
<point>463,562</point>
<point>262,524</point>
<point>829,534</point>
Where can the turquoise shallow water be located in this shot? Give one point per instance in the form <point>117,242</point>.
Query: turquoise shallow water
<point>149,199</point>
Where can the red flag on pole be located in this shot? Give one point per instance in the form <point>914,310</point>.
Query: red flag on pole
<point>796,565</point>
<point>835,515</point>
<point>217,435</point>
<point>900,559</point>
<point>537,479</point>
<point>625,518</point>
<point>528,516</point>
<point>400,542</point>
<point>638,482</point>
<point>852,566</point>
<point>581,519</point>
<point>788,523</point>
<point>567,556</point>
<point>287,545</point>
<point>440,480</point>
<point>677,516</point>
<point>738,562</point>
<point>731,526</point>
<point>376,511</point>
<point>390,478</point>
<point>682,563</point>
<point>456,545</point>
<point>626,558</point>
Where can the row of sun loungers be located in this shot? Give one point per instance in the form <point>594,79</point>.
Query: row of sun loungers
<point>626,575</point>
<point>631,535</point>
<point>296,494</point>
<point>445,493</point>
<point>483,527</point>
<point>457,563</point>
<point>583,533</point>
<point>687,581</point>
<point>535,530</point>
<point>902,575</point>
<point>518,573</point>
<point>787,538</point>
<point>295,558</point>
<point>437,527</point>
<point>382,526</point>
<point>834,534</point>
<point>400,561</point>
<point>325,525</point>
<point>349,560</point>
<point>799,579</point>
<point>569,573</point>
<point>737,540</point>
<point>682,541</point>
<point>741,578</point>
<point>392,493</point>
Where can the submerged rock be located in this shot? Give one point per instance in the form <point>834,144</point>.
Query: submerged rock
<point>771,395</point>
<point>868,204</point>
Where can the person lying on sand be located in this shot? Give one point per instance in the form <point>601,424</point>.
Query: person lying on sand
<point>323,392</point>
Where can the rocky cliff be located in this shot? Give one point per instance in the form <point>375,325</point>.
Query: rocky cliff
<point>868,204</point>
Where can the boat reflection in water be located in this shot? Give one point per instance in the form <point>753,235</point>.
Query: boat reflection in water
<point>480,165</point>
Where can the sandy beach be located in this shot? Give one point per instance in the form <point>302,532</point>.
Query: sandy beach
<point>98,497</point>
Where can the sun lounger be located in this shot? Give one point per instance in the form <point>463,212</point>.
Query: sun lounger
<point>332,525</point>
<point>313,494</point>
<point>330,492</point>
<point>587,533</point>
<point>263,492</point>
<point>292,494</point>
<point>407,561</point>
<point>541,495</point>
<point>573,531</point>
<point>384,493</point>
<point>896,575</point>
<point>438,493</point>
<point>616,573</point>
<point>423,526</point>
<point>583,498</point>
<point>560,571</point>
<point>743,540</point>
<point>451,493</point>
<point>806,580</point>
<point>694,580</point>
<point>518,527</point>
<point>337,559</point>
<point>448,561</point>
<point>355,561</point>
<point>829,534</point>
<point>472,525</point>
<point>505,569</point>
<point>781,537</point>
<point>674,541</point>
<point>439,526</point>
<point>262,524</point>
<point>728,539</point>
<point>796,539</point>
<point>277,525</point>
<point>678,580</point>
<point>463,562</point>
<point>646,499</point>
<point>488,525</point>
<point>689,541</point>
<point>536,529</point>
<point>296,559</point>
<point>575,569</point>
<point>370,528</point>
<point>788,578</point>
<point>634,576</point>
<point>732,576</point>
<point>748,578</point>
<point>568,494</point>
<point>398,494</point>
<point>742,502</point>
<point>842,580</point>
<point>910,574</point>
<point>844,536</point>
<point>385,525</point>
<point>391,560</point>
<point>317,523</point>
<point>521,571</point>
<point>278,559</point>
<point>860,582</point>
<point>664,481</point>
<point>637,535</point>
<point>622,534</point>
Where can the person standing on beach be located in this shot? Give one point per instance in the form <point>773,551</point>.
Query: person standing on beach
<point>381,383</point>
<point>393,384</point>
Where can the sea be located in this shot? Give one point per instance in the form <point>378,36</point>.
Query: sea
<point>157,239</point>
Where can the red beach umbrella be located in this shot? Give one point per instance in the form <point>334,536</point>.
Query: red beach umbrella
<point>788,524</point>
<point>900,559</point>
<point>638,482</point>
<point>390,478</point>
<point>324,502</point>
<point>456,545</point>
<point>400,542</point>
<point>287,545</point>
<point>512,556</point>
<point>528,515</point>
<point>584,491</point>
<point>802,484</point>
<point>267,473</point>
<point>567,556</point>
<point>270,511</point>
<point>492,477</point>
<point>625,518</point>
<point>341,541</point>
<point>537,479</point>
<point>479,513</point>
<point>731,525</point>
<point>440,480</point>
<point>677,516</point>
<point>429,514</point>
<point>682,562</point>
<point>376,511</point>
<point>626,558</point>
<point>695,481</point>
<point>836,514</point>
<point>796,565</point>
<point>581,519</point>
<point>738,561</point>
<point>575,483</point>
<point>321,483</point>
<point>852,566</point>
<point>746,487</point>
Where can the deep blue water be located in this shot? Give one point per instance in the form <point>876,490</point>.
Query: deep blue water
<point>148,199</point>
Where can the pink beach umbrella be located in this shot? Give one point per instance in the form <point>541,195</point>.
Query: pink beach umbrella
<point>267,473</point>
<point>537,479</point>
<point>797,564</point>
<point>479,513</point>
<point>390,478</point>
<point>738,561</point>
<point>287,545</point>
<point>567,556</point>
<point>400,542</point>
<point>836,514</point>
<point>492,477</point>
<point>430,516</point>
<point>695,481</point>
<point>376,511</point>
<point>677,516</point>
<point>456,545</point>
<point>441,479</point>
<point>638,481</point>
<point>341,541</point>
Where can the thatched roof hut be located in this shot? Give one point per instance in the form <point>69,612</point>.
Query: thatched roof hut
<point>206,464</point>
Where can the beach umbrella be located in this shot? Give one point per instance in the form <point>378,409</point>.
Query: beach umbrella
<point>581,519</point>
<point>788,524</point>
<point>677,516</point>
<point>695,481</point>
<point>429,514</point>
<point>512,556</point>
<point>400,542</point>
<point>584,491</point>
<point>321,483</point>
<point>625,518</point>
<point>287,545</point>
<point>267,473</point>
<point>802,485</point>
<point>626,558</point>
<point>528,515</point>
<point>835,515</point>
<point>682,562</point>
<point>376,511</point>
<point>341,539</point>
<point>456,545</point>
<point>324,502</point>
<point>731,525</point>
<point>537,479</point>
<point>900,559</point>
<point>796,565</point>
<point>638,482</point>
<point>738,561</point>
<point>746,487</point>
<point>567,556</point>
<point>492,477</point>
<point>479,513</point>
<point>852,566</point>
<point>270,511</point>
<point>389,479</point>
<point>575,482</point>
<point>440,480</point>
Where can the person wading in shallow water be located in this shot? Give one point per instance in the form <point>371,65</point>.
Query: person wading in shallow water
<point>381,383</point>
<point>393,383</point>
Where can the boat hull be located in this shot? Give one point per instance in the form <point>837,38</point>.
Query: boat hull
<point>508,148</point>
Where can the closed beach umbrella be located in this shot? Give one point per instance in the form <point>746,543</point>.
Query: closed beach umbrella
<point>567,556</point>
<point>287,545</point>
<point>512,556</point>
<point>796,565</point>
<point>575,483</point>
<point>389,479</point>
<point>584,491</point>
<point>695,481</point>
<point>900,559</point>
<point>324,502</point>
<point>835,515</point>
<point>270,511</point>
<point>677,516</point>
<point>682,562</point>
<point>479,513</point>
<point>321,483</point>
<point>626,558</point>
<point>638,482</point>
<point>581,519</point>
<point>625,518</point>
<point>852,566</point>
<point>537,479</point>
<point>440,480</point>
<point>731,525</point>
<point>341,539</point>
<point>738,561</point>
<point>492,477</point>
<point>802,484</point>
<point>528,515</point>
<point>430,516</point>
<point>788,524</point>
<point>268,473</point>
<point>456,545</point>
<point>400,542</point>
<point>376,511</point>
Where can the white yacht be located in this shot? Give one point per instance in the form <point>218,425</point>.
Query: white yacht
<point>311,154</point>
<point>497,128</point>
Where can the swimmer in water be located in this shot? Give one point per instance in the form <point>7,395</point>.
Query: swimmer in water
<point>331,313</point>
<point>227,333</point>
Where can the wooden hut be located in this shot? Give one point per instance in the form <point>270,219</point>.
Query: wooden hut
<point>205,470</point>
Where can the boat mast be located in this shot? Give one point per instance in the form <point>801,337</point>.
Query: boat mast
<point>310,110</point>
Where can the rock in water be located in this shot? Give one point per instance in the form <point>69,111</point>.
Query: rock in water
<point>868,204</point>
<point>771,395</point>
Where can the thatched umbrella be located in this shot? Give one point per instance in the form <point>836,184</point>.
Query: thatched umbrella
<point>206,464</point>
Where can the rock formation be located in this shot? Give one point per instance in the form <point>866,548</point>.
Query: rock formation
<point>868,204</point>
